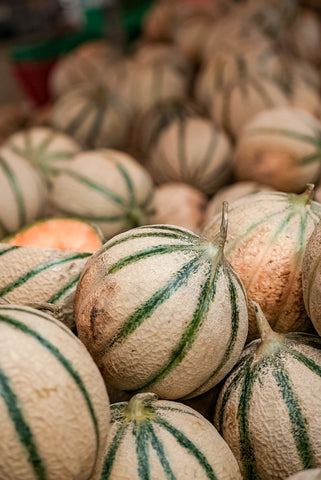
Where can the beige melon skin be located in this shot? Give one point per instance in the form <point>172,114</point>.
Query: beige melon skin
<point>312,474</point>
<point>85,64</point>
<point>146,318</point>
<point>23,193</point>
<point>45,148</point>
<point>311,277</point>
<point>107,187</point>
<point>54,389</point>
<point>266,240</point>
<point>93,115</point>
<point>179,204</point>
<point>230,194</point>
<point>192,151</point>
<point>191,449</point>
<point>269,408</point>
<point>30,275</point>
<point>279,147</point>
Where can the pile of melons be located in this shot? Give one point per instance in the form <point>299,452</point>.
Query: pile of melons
<point>160,254</point>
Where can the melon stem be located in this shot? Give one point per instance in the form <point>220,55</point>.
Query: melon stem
<point>220,238</point>
<point>136,407</point>
<point>266,333</point>
<point>136,217</point>
<point>307,195</point>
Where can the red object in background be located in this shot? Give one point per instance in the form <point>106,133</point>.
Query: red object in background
<point>33,77</point>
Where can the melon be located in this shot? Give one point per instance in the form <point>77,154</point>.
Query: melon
<point>44,277</point>
<point>54,406</point>
<point>269,408</point>
<point>93,115</point>
<point>45,148</point>
<point>107,187</point>
<point>63,233</point>
<point>281,148</point>
<point>158,439</point>
<point>13,117</point>
<point>267,237</point>
<point>192,151</point>
<point>311,277</point>
<point>23,193</point>
<point>179,204</point>
<point>154,302</point>
<point>83,65</point>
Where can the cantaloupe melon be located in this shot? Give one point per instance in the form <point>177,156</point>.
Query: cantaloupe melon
<point>156,439</point>
<point>269,408</point>
<point>54,406</point>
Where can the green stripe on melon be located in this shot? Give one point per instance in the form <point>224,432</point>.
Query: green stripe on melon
<point>156,439</point>
<point>176,274</point>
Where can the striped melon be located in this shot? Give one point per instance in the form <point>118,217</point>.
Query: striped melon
<point>157,439</point>
<point>230,194</point>
<point>23,193</point>
<point>179,204</point>
<point>85,64</point>
<point>269,408</point>
<point>311,277</point>
<point>149,125</point>
<point>281,148</point>
<point>45,148</point>
<point>268,233</point>
<point>237,104</point>
<point>106,187</point>
<point>44,277</point>
<point>192,151</point>
<point>54,407</point>
<point>141,86</point>
<point>160,309</point>
<point>94,115</point>
<point>311,474</point>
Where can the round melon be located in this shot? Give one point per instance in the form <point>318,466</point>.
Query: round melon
<point>106,187</point>
<point>179,204</point>
<point>44,277</point>
<point>142,86</point>
<point>158,439</point>
<point>93,115</point>
<point>312,474</point>
<point>269,408</point>
<point>54,406</point>
<point>46,149</point>
<point>192,151</point>
<point>23,193</point>
<point>267,237</point>
<point>281,148</point>
<point>160,309</point>
<point>311,277</point>
<point>84,65</point>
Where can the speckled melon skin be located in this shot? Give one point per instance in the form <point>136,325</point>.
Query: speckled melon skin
<point>172,438</point>
<point>23,193</point>
<point>266,240</point>
<point>54,408</point>
<point>45,148</point>
<point>269,408</point>
<point>311,277</point>
<point>160,310</point>
<point>106,187</point>
<point>30,275</point>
